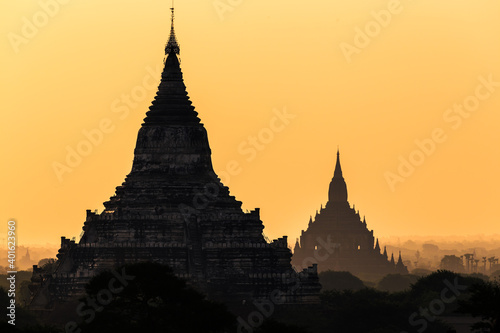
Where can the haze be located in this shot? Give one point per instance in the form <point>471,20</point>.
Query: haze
<point>246,69</point>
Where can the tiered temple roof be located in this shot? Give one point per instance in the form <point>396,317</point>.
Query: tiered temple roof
<point>338,239</point>
<point>173,209</point>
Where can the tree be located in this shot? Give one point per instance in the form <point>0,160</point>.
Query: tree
<point>495,275</point>
<point>484,302</point>
<point>273,326</point>
<point>397,282</point>
<point>430,248</point>
<point>370,311</point>
<point>25,321</point>
<point>23,293</point>
<point>452,263</point>
<point>331,280</point>
<point>431,287</point>
<point>421,272</point>
<point>479,276</point>
<point>47,265</point>
<point>153,300</point>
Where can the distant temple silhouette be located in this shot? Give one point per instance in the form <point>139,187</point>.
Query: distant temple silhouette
<point>173,209</point>
<point>25,261</point>
<point>337,239</point>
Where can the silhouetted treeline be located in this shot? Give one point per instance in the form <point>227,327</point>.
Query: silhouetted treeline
<point>151,299</point>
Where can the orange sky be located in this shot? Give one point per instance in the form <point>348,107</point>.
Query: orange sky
<point>373,93</point>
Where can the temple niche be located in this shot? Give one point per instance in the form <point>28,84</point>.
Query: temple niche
<point>338,239</point>
<point>173,209</point>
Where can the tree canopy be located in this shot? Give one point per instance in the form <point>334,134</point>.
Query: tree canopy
<point>152,300</point>
<point>332,280</point>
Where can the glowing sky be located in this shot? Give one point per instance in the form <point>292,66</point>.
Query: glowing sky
<point>418,70</point>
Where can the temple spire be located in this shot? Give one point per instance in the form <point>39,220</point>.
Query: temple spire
<point>171,104</point>
<point>338,168</point>
<point>338,187</point>
<point>172,45</point>
<point>400,260</point>
<point>297,246</point>
<point>400,266</point>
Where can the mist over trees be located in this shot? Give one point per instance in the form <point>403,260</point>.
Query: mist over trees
<point>478,254</point>
<point>157,301</point>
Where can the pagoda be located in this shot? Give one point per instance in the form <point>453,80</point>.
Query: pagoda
<point>338,239</point>
<point>173,209</point>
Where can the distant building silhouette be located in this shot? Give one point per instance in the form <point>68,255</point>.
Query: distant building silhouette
<point>25,261</point>
<point>338,239</point>
<point>173,209</point>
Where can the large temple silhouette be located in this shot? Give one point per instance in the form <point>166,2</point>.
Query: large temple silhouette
<point>173,209</point>
<point>338,239</point>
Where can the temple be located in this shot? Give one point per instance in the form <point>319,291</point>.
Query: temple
<point>338,239</point>
<point>173,209</point>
